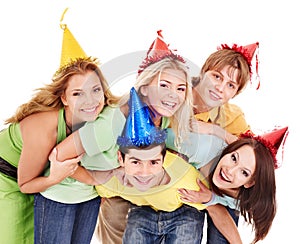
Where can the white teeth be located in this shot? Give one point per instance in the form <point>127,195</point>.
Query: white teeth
<point>170,104</point>
<point>89,110</point>
<point>224,176</point>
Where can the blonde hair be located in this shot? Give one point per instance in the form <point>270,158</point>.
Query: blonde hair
<point>48,98</point>
<point>180,121</point>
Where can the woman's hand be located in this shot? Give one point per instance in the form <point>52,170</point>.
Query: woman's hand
<point>204,195</point>
<point>212,129</point>
<point>61,170</point>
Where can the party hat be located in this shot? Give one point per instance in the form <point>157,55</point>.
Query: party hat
<point>139,130</point>
<point>248,53</point>
<point>158,51</point>
<point>273,140</point>
<point>71,50</point>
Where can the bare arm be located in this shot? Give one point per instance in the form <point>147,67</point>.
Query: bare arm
<point>224,223</point>
<point>38,141</point>
<point>219,214</point>
<point>212,129</point>
<point>70,147</point>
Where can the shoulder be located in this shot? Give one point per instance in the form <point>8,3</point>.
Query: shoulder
<point>41,121</point>
<point>231,109</point>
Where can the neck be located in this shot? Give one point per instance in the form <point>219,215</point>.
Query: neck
<point>199,105</point>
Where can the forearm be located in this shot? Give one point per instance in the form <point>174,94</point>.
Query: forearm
<point>38,184</point>
<point>70,147</point>
<point>222,133</point>
<point>224,223</point>
<point>92,177</point>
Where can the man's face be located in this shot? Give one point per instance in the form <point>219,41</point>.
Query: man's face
<point>217,87</point>
<point>143,167</point>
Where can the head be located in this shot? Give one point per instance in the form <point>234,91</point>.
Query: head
<point>224,75</point>
<point>81,78</point>
<point>82,89</point>
<point>143,165</point>
<point>246,167</point>
<point>165,87</point>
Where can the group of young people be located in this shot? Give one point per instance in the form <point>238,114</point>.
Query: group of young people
<point>155,161</point>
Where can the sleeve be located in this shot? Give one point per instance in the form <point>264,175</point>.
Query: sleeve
<point>100,135</point>
<point>199,148</point>
<point>224,200</point>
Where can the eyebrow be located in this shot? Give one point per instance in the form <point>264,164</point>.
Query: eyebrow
<point>139,159</point>
<point>246,169</point>
<point>170,82</point>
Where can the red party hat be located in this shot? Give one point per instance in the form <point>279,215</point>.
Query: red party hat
<point>248,53</point>
<point>158,51</point>
<point>273,140</point>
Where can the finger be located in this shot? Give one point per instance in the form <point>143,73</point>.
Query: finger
<point>53,154</point>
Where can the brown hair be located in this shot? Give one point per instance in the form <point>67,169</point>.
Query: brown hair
<point>221,58</point>
<point>48,98</point>
<point>257,203</point>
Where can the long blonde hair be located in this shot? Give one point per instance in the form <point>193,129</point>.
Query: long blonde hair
<point>48,98</point>
<point>180,121</point>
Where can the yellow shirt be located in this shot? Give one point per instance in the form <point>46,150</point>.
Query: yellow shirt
<point>229,116</point>
<point>164,197</point>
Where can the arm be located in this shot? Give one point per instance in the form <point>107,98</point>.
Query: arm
<point>220,216</point>
<point>38,141</point>
<point>224,222</point>
<point>70,147</point>
<point>212,129</point>
<point>90,177</point>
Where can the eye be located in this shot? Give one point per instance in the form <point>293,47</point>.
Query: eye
<point>153,162</point>
<point>245,173</point>
<point>98,89</point>
<point>163,84</point>
<point>234,157</point>
<point>231,86</point>
<point>134,162</point>
<point>77,94</point>
<point>181,88</point>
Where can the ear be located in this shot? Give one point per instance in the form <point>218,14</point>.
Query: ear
<point>249,184</point>
<point>120,159</point>
<point>144,90</point>
<point>63,99</point>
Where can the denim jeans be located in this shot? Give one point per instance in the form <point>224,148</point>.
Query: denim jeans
<point>147,226</point>
<point>213,234</point>
<point>61,223</point>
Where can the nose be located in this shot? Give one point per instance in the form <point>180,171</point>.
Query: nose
<point>230,170</point>
<point>144,170</point>
<point>220,86</point>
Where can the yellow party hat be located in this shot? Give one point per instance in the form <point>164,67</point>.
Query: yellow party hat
<point>71,50</point>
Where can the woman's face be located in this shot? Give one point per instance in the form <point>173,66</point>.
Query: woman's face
<point>166,92</point>
<point>235,169</point>
<point>217,87</point>
<point>83,98</point>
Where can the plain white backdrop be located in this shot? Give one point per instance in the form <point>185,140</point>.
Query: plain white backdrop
<point>30,47</point>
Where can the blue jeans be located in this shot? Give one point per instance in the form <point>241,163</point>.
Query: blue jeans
<point>213,234</point>
<point>145,225</point>
<point>61,223</point>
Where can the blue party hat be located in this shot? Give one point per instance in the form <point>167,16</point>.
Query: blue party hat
<point>139,130</point>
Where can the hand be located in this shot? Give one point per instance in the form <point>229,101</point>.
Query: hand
<point>204,195</point>
<point>61,170</point>
<point>202,127</point>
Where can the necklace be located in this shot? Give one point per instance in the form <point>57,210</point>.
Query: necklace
<point>162,178</point>
<point>68,127</point>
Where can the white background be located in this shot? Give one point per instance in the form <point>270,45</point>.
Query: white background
<point>30,46</point>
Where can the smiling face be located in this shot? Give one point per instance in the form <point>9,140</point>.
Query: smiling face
<point>143,167</point>
<point>166,92</point>
<point>235,169</point>
<point>84,98</point>
<point>216,87</point>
